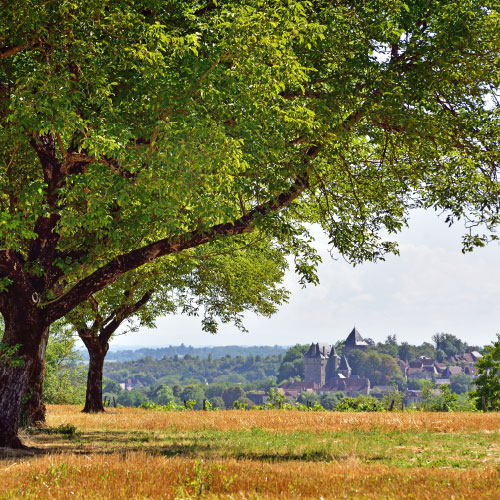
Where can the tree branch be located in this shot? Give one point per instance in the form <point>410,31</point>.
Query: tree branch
<point>11,51</point>
<point>110,272</point>
<point>123,313</point>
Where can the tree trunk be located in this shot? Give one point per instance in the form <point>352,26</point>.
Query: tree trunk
<point>13,382</point>
<point>24,329</point>
<point>33,411</point>
<point>97,353</point>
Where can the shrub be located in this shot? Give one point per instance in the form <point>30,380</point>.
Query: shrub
<point>359,403</point>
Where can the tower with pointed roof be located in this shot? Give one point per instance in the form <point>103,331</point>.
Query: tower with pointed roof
<point>332,364</point>
<point>354,341</point>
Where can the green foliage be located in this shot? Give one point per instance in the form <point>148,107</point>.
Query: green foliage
<point>449,344</point>
<point>67,430</point>
<point>487,391</point>
<point>399,382</point>
<point>465,403</point>
<point>408,352</point>
<point>416,383</point>
<point>131,398</point>
<point>379,368</point>
<point>166,131</point>
<point>210,352</point>
<point>240,405</point>
<point>445,401</point>
<point>165,395</point>
<point>8,355</point>
<point>226,370</point>
<point>168,407</point>
<point>330,401</point>
<point>232,394</point>
<point>292,365</point>
<point>217,403</point>
<point>359,403</point>
<point>111,387</point>
<point>448,398</point>
<point>393,400</point>
<point>65,376</point>
<point>461,383</point>
<point>308,398</point>
<point>193,393</point>
<point>276,399</point>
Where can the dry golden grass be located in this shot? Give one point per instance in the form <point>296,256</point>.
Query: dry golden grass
<point>275,420</point>
<point>141,476</point>
<point>140,454</point>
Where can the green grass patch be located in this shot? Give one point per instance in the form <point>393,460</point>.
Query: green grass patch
<point>399,449</point>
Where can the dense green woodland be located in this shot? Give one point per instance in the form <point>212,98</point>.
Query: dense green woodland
<point>181,350</point>
<point>189,369</point>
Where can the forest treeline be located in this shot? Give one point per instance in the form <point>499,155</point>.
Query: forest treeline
<point>190,369</point>
<point>182,350</point>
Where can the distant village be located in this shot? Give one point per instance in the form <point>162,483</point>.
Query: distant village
<point>327,372</point>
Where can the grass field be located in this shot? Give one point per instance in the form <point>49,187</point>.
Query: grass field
<point>139,454</point>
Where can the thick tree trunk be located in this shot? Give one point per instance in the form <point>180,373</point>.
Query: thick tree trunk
<point>13,382</point>
<point>23,328</point>
<point>33,411</point>
<point>97,353</point>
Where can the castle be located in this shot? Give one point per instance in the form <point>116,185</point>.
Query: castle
<point>322,363</point>
<point>326,371</point>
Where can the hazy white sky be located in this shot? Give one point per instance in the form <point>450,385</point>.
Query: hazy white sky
<point>431,287</point>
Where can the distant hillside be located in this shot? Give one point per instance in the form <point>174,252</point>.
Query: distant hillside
<point>182,350</point>
<point>189,369</point>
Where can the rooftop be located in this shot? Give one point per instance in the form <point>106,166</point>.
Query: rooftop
<point>355,339</point>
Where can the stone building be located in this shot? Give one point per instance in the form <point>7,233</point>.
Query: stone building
<point>326,371</point>
<point>322,363</point>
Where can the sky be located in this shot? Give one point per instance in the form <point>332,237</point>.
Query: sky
<point>430,287</point>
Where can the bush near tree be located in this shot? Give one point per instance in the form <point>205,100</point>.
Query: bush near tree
<point>359,403</point>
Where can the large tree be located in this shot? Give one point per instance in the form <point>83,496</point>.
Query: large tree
<point>134,131</point>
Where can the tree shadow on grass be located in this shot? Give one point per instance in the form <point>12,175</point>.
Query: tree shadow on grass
<point>195,446</point>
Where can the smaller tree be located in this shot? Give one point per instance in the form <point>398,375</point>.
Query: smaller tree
<point>224,279</point>
<point>217,402</point>
<point>193,393</point>
<point>405,351</point>
<point>399,382</point>
<point>487,392</point>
